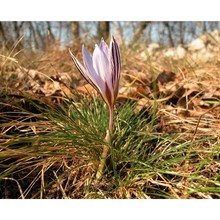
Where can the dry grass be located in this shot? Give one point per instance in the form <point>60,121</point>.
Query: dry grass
<point>166,141</point>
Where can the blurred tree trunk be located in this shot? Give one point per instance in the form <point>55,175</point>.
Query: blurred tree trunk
<point>139,30</point>
<point>17,30</point>
<point>50,35</point>
<point>120,37</point>
<point>76,32</point>
<point>40,35</point>
<point>33,33</point>
<point>181,30</point>
<point>167,25</point>
<point>59,31</point>
<point>103,29</point>
<point>2,35</point>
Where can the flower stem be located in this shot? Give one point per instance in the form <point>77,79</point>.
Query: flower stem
<point>106,146</point>
<point>111,115</point>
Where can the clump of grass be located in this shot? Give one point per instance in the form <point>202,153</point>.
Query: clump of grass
<point>57,155</point>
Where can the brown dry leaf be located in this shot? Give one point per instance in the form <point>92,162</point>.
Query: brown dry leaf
<point>50,87</point>
<point>86,89</point>
<point>143,103</point>
<point>165,77</point>
<point>128,91</point>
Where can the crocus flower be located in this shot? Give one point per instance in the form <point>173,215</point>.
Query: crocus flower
<point>102,69</point>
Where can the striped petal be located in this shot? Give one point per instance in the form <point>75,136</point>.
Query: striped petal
<point>78,65</point>
<point>115,65</point>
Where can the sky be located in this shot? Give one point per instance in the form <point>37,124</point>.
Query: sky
<point>95,10</point>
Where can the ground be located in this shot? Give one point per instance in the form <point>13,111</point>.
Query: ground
<point>166,135</point>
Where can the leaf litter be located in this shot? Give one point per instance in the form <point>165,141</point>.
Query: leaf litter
<point>187,99</point>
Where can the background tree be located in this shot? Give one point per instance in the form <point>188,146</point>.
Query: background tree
<point>103,29</point>
<point>75,27</point>
<point>41,35</point>
<point>139,31</point>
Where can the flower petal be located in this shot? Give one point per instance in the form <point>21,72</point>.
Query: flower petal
<point>78,65</point>
<point>115,65</point>
<point>91,72</point>
<point>100,63</point>
<point>104,48</point>
<point>87,58</point>
<point>86,75</point>
<point>102,67</point>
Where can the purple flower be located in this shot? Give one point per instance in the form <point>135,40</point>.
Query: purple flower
<point>102,69</point>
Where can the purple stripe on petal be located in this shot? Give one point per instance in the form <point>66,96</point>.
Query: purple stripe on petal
<point>78,65</point>
<point>116,56</point>
<point>115,62</point>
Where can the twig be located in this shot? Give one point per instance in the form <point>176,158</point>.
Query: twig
<point>60,185</point>
<point>200,117</point>
<point>169,186</point>
<point>42,183</point>
<point>19,186</point>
